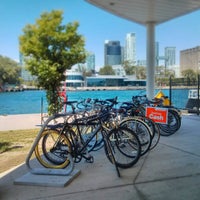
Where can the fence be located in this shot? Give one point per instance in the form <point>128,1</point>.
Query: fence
<point>190,93</point>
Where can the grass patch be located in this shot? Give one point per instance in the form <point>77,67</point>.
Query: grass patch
<point>16,139</point>
<point>4,146</point>
<point>14,147</point>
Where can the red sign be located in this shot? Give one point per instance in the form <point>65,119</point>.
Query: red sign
<point>158,115</point>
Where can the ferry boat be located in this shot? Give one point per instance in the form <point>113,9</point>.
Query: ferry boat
<point>193,103</point>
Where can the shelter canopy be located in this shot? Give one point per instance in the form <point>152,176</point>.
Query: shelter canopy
<point>145,11</point>
<point>148,13</point>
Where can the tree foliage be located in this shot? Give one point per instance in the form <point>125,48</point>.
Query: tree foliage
<point>129,69</point>
<point>141,72</point>
<point>51,48</point>
<point>9,71</point>
<point>107,70</point>
<point>190,74</point>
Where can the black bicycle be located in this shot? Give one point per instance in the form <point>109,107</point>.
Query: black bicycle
<point>122,146</point>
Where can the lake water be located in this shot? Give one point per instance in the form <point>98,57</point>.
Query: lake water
<point>28,102</point>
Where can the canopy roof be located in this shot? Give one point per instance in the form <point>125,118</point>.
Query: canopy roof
<point>145,11</point>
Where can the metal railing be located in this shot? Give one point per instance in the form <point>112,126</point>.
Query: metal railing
<point>188,83</point>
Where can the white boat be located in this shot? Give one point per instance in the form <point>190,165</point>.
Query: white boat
<point>193,103</point>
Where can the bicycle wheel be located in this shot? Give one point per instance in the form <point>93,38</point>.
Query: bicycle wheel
<point>53,150</point>
<point>156,137</point>
<point>173,123</point>
<point>142,130</point>
<point>154,129</point>
<point>125,147</point>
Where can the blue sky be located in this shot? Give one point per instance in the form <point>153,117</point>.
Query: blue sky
<point>96,26</point>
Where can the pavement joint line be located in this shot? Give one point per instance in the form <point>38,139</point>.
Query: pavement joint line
<point>82,191</point>
<point>140,169</point>
<point>140,193</point>
<point>168,179</point>
<point>116,186</point>
<point>196,155</point>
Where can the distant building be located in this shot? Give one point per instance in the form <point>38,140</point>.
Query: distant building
<point>130,48</point>
<point>176,70</point>
<point>119,70</point>
<point>190,59</point>
<point>122,55</point>
<point>112,53</point>
<point>170,56</point>
<point>74,79</point>
<point>90,62</point>
<point>112,81</point>
<point>25,74</point>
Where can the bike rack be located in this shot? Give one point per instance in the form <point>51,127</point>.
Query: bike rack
<point>48,171</point>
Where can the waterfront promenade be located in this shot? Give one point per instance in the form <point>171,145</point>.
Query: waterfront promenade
<point>18,122</point>
<point>170,171</point>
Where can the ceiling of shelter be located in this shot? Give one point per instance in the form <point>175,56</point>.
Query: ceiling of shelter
<point>144,11</point>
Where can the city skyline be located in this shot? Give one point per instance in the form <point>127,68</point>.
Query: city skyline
<point>112,53</point>
<point>130,48</point>
<point>96,26</point>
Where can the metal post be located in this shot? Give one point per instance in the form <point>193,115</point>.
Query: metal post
<point>150,59</point>
<point>48,171</point>
<point>170,90</point>
<point>198,104</point>
<point>41,110</point>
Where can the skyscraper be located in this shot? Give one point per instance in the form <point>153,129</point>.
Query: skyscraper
<point>25,74</point>
<point>130,49</point>
<point>170,56</point>
<point>90,62</point>
<point>190,59</point>
<point>112,53</point>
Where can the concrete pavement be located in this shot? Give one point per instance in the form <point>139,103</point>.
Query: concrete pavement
<point>170,171</point>
<point>18,122</point>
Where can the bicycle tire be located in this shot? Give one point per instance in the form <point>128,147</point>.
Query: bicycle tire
<point>53,149</point>
<point>141,129</point>
<point>125,147</point>
<point>155,131</point>
<point>173,124</point>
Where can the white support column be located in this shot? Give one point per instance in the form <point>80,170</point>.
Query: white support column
<point>150,59</point>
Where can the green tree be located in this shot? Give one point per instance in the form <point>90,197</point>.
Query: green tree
<point>9,71</point>
<point>51,48</point>
<point>129,69</point>
<point>107,70</point>
<point>141,72</point>
<point>190,74</point>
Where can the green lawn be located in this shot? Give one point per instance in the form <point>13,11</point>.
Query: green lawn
<point>12,140</point>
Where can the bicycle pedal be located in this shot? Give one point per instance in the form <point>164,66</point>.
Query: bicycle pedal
<point>89,159</point>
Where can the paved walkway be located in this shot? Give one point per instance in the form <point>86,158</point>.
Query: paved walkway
<point>18,122</point>
<point>170,171</point>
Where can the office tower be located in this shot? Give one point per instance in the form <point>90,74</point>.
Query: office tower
<point>130,49</point>
<point>190,59</point>
<point>122,55</point>
<point>90,62</point>
<point>170,56</point>
<point>25,74</point>
<point>112,53</point>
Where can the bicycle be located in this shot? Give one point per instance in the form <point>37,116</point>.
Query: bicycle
<point>118,140</point>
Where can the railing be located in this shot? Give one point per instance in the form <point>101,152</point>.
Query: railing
<point>186,83</point>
